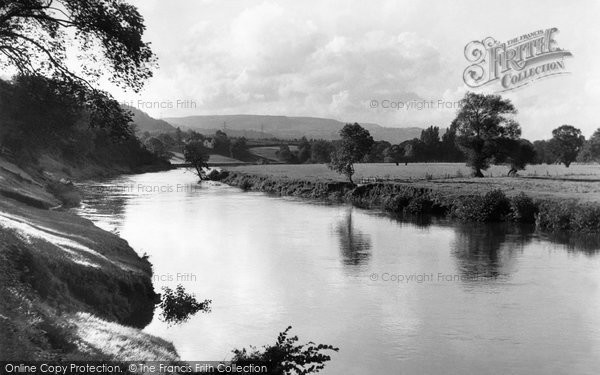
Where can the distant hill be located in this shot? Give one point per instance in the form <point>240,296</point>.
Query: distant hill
<point>145,123</point>
<point>288,127</point>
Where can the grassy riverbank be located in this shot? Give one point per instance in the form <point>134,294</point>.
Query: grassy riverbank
<point>69,289</point>
<point>569,201</point>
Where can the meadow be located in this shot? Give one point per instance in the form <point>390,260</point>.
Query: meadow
<point>579,182</point>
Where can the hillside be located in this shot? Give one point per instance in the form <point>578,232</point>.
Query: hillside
<point>145,123</point>
<point>289,127</point>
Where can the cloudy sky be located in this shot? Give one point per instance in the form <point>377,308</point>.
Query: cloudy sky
<point>333,58</point>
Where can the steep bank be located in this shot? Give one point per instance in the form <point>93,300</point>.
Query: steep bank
<point>418,198</point>
<point>69,289</point>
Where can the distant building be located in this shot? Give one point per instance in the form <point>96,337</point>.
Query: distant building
<point>209,143</point>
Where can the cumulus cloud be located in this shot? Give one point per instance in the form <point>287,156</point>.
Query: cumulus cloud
<point>331,59</point>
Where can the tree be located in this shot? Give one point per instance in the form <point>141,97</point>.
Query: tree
<point>195,154</point>
<point>157,147</point>
<point>393,154</point>
<point>449,150</point>
<point>239,148</point>
<point>430,138</point>
<point>543,153</point>
<point>304,150</point>
<point>481,121</point>
<point>34,35</point>
<point>320,151</point>
<point>285,155</point>
<point>356,142</point>
<point>566,143</point>
<point>591,149</point>
<point>376,155</point>
<point>222,143</point>
<point>517,153</point>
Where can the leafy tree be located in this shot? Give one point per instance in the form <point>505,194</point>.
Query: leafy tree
<point>239,148</point>
<point>517,153</point>
<point>222,143</point>
<point>34,35</point>
<point>196,154</point>
<point>449,150</point>
<point>178,136</point>
<point>285,155</point>
<point>543,153</point>
<point>414,150</point>
<point>195,136</point>
<point>591,149</point>
<point>157,147</point>
<point>286,356</point>
<point>356,142</point>
<point>320,151</point>
<point>430,139</point>
<point>481,121</point>
<point>304,150</point>
<point>566,143</point>
<point>376,155</point>
<point>393,154</point>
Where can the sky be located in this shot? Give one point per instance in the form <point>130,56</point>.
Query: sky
<point>354,60</point>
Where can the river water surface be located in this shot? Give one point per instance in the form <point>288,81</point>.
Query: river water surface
<point>395,297</point>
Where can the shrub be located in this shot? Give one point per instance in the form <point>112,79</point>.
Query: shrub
<point>286,356</point>
<point>396,203</point>
<point>586,219</point>
<point>554,216</point>
<point>523,209</point>
<point>178,306</point>
<point>493,206</point>
<point>419,205</point>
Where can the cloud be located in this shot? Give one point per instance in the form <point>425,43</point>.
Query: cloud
<point>331,59</point>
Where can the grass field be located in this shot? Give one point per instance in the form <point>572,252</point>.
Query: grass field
<point>269,152</point>
<point>579,182</point>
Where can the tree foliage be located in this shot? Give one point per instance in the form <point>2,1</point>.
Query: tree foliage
<point>355,144</point>
<point>35,36</point>
<point>481,121</point>
<point>566,143</point>
<point>197,155</point>
<point>286,356</point>
<point>591,149</point>
<point>178,306</point>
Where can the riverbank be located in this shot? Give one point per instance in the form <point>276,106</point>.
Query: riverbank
<point>552,204</point>
<point>69,289</point>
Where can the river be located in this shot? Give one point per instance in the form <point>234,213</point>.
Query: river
<point>395,297</point>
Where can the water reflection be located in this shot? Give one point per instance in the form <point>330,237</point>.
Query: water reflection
<point>589,244</point>
<point>355,246</point>
<point>488,250</point>
<point>105,204</point>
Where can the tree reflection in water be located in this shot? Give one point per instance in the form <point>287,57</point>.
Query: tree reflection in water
<point>355,246</point>
<point>488,250</point>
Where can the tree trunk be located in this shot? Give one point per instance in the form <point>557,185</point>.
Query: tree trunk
<point>350,179</point>
<point>477,173</point>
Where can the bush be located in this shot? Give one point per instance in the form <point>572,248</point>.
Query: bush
<point>523,209</point>
<point>554,216</point>
<point>178,306</point>
<point>493,206</point>
<point>286,356</point>
<point>586,219</point>
<point>419,205</point>
<point>396,203</point>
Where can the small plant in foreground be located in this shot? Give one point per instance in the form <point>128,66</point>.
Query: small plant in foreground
<point>286,356</point>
